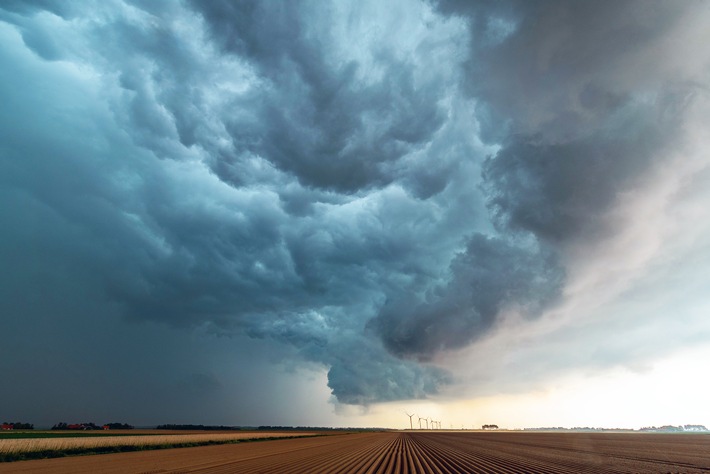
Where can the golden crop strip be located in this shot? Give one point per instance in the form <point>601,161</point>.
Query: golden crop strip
<point>61,444</point>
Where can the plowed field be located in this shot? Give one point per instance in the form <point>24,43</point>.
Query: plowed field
<point>412,452</point>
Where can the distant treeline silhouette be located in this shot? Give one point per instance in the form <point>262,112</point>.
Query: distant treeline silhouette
<point>258,428</point>
<point>92,426</point>
<point>119,426</point>
<point>17,426</point>
<point>198,427</point>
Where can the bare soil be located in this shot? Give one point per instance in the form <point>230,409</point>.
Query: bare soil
<point>412,452</point>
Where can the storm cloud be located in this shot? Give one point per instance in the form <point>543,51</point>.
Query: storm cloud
<point>369,186</point>
<point>488,276</point>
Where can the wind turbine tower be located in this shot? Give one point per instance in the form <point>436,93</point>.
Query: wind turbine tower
<point>420,422</point>
<point>410,419</point>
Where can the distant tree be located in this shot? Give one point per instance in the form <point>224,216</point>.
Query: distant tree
<point>60,426</point>
<point>694,428</point>
<point>22,426</point>
<point>119,426</point>
<point>196,427</point>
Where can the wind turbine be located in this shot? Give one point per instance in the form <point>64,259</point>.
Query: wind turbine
<point>410,419</point>
<point>426,420</point>
<point>420,422</point>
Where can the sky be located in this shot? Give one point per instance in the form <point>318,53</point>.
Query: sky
<point>333,213</point>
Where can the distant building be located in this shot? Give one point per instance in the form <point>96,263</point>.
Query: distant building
<point>8,426</point>
<point>106,427</point>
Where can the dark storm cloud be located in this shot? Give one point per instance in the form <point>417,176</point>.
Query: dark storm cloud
<point>34,6</point>
<point>369,370</point>
<point>584,100</point>
<point>562,191</point>
<point>489,276</point>
<point>574,135</point>
<point>319,120</point>
<point>583,111</point>
<point>562,70</point>
<point>118,194</point>
<point>312,174</point>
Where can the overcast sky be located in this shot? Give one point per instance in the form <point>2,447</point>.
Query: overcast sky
<point>327,213</point>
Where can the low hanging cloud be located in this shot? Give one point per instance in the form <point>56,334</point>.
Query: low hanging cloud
<point>371,185</point>
<point>488,277</point>
<point>562,191</point>
<point>236,189</point>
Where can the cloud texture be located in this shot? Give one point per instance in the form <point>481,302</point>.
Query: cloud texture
<point>371,185</point>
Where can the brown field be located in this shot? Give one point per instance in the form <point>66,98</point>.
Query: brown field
<point>412,452</point>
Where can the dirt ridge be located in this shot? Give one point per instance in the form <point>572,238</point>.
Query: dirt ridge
<point>411,452</point>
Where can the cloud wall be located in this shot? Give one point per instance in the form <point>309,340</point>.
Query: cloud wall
<point>370,184</point>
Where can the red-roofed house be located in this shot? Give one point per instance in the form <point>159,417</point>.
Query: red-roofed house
<point>8,426</point>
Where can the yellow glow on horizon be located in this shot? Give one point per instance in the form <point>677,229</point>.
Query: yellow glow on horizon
<point>672,391</point>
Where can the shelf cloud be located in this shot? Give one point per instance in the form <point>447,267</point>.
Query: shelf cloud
<point>371,186</point>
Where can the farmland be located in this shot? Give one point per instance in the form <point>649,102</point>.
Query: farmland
<point>31,445</point>
<point>412,452</point>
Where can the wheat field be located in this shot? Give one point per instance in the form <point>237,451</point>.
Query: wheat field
<point>13,446</point>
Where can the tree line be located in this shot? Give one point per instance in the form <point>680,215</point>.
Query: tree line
<point>17,426</point>
<point>196,427</point>
<point>92,426</point>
